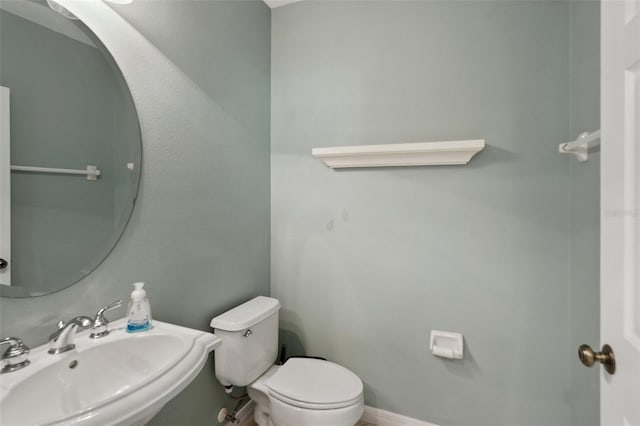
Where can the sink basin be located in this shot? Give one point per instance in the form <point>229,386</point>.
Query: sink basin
<point>120,379</point>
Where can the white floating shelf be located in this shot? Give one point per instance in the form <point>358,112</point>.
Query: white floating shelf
<point>402,154</point>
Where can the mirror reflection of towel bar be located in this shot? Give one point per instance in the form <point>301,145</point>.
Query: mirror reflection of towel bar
<point>91,172</point>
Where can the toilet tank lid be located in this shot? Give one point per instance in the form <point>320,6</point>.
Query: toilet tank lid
<point>246,315</point>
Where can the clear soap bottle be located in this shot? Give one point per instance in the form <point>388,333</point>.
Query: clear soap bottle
<point>139,310</point>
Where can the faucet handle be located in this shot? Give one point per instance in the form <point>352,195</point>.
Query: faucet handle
<point>16,355</point>
<point>100,318</point>
<point>15,344</point>
<point>100,322</point>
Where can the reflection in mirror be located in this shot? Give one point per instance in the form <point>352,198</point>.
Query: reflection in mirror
<point>68,108</point>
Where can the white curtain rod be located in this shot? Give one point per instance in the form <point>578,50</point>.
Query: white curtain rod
<point>91,172</point>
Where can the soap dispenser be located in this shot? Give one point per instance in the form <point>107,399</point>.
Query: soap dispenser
<point>139,310</point>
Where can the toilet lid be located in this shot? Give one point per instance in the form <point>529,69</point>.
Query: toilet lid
<point>314,383</point>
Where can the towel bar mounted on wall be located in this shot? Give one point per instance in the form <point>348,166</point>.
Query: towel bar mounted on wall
<point>91,172</point>
<point>580,146</point>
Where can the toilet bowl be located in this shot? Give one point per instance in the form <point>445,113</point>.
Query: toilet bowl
<point>307,392</point>
<point>301,392</point>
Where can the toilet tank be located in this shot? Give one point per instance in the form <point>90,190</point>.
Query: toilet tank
<point>249,334</point>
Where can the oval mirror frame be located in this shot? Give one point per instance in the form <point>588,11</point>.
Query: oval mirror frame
<point>123,175</point>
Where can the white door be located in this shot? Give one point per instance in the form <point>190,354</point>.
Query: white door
<point>620,210</point>
<point>5,189</point>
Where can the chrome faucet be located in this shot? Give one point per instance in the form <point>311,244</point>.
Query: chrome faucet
<point>61,340</point>
<point>15,357</point>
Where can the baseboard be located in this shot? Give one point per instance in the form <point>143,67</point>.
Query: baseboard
<point>244,415</point>
<point>372,415</point>
<point>380,417</point>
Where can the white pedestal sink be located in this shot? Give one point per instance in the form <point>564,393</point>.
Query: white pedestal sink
<point>120,379</point>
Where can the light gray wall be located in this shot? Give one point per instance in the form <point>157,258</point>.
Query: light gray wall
<point>584,220</point>
<point>367,262</point>
<point>199,236</point>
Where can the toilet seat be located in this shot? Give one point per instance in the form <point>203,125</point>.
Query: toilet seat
<point>315,384</point>
<point>310,405</point>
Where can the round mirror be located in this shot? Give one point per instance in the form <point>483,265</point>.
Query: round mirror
<point>70,150</point>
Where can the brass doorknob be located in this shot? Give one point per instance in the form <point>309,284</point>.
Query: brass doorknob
<point>606,357</point>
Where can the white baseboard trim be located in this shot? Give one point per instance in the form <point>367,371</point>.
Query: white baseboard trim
<point>386,418</point>
<point>371,415</point>
<point>245,415</point>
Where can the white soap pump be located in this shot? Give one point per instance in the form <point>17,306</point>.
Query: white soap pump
<point>139,310</point>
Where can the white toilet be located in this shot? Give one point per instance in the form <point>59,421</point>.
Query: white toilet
<point>302,392</point>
